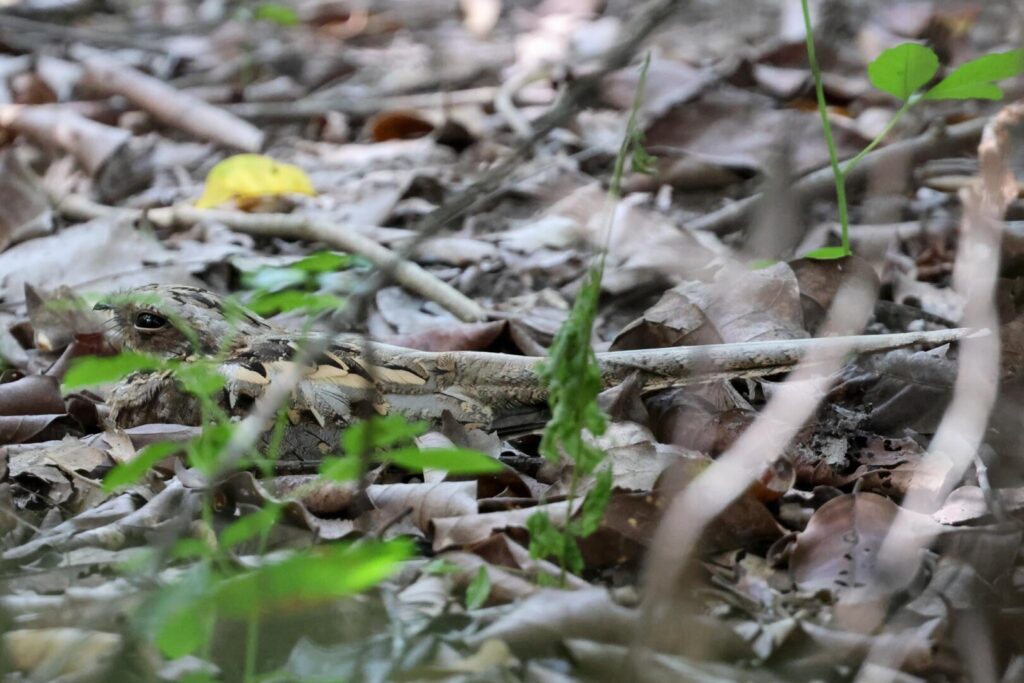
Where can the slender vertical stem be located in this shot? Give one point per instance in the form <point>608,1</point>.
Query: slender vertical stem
<point>849,165</point>
<point>819,91</point>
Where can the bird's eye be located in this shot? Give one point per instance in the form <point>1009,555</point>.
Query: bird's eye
<point>149,321</point>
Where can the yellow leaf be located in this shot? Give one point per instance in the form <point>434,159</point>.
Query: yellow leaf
<point>250,176</point>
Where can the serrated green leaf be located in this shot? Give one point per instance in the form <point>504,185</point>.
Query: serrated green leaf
<point>596,502</point>
<point>976,79</point>
<point>92,370</point>
<point>251,525</point>
<point>381,432</point>
<point>127,473</point>
<point>903,69</point>
<point>827,253</point>
<point>451,460</point>
<point>479,589</point>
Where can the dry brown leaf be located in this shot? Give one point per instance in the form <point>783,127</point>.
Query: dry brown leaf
<point>470,529</point>
<point>758,305</point>
<point>32,395</point>
<point>427,501</point>
<point>838,552</point>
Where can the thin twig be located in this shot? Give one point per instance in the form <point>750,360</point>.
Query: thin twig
<point>288,226</point>
<point>936,142</point>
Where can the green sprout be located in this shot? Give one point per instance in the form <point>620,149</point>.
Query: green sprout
<point>903,72</point>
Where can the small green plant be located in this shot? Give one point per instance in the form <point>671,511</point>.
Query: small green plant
<point>573,379</point>
<point>180,616</point>
<point>903,71</point>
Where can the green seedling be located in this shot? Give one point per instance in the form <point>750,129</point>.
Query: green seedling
<point>573,378</point>
<point>904,72</point>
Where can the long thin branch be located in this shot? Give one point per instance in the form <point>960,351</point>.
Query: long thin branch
<point>406,273</point>
<point>936,142</point>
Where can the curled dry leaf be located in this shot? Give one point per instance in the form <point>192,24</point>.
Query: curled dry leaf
<point>32,395</point>
<point>506,586</point>
<point>426,501</point>
<point>840,548</point>
<point>24,209</point>
<point>540,623</point>
<point>742,306</point>
<point>469,529</point>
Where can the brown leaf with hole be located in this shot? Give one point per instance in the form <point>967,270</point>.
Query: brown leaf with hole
<point>839,552</point>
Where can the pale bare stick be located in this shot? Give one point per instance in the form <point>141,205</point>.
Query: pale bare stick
<point>936,142</point>
<point>694,508</point>
<point>406,273</point>
<point>171,106</point>
<point>963,425</point>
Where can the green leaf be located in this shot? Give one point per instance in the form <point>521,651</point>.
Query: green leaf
<point>127,473</point>
<point>179,617</point>
<point>381,432</point>
<point>273,280</point>
<point>92,370</point>
<point>204,451</point>
<point>452,460</point>
<point>251,525</point>
<point>903,69</point>
<point>200,378</point>
<point>316,575</point>
<point>545,539</point>
<point>976,79</point>
<point>189,549</point>
<point>440,567</point>
<point>323,262</point>
<point>479,589</point>
<point>596,503</point>
<point>277,13</point>
<point>827,253</point>
<point>761,264</point>
<point>267,303</point>
<point>340,469</point>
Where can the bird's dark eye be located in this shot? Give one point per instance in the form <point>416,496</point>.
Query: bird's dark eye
<point>149,321</point>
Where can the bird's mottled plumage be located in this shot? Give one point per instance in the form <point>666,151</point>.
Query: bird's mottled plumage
<point>334,380</point>
<point>181,321</point>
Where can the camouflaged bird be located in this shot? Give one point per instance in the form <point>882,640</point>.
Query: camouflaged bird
<point>346,377</point>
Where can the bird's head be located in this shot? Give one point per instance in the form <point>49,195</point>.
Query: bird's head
<point>174,321</point>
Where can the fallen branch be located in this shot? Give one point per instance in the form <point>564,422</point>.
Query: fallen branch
<point>937,141</point>
<point>118,162</point>
<point>406,273</point>
<point>170,105</point>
